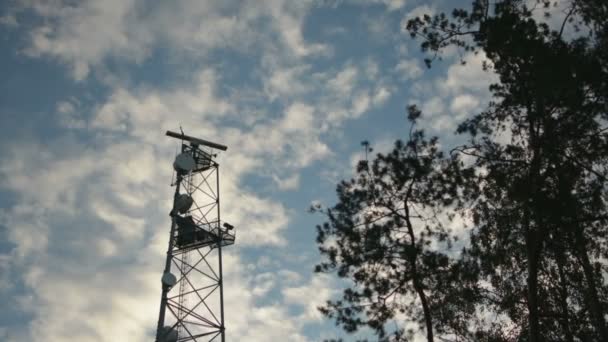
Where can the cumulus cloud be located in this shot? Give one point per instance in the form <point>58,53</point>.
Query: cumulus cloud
<point>64,246</point>
<point>286,82</point>
<point>85,34</point>
<point>468,77</point>
<point>344,81</point>
<point>308,297</point>
<point>289,183</point>
<point>409,69</point>
<point>10,21</point>
<point>461,92</point>
<point>145,113</point>
<point>391,5</point>
<point>465,105</point>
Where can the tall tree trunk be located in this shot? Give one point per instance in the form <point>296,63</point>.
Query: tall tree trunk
<point>533,252</point>
<point>563,292</point>
<point>532,230</point>
<point>426,310</point>
<point>533,318</point>
<point>581,251</point>
<point>416,277</point>
<point>595,307</point>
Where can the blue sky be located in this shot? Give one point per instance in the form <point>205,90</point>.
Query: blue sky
<point>88,89</point>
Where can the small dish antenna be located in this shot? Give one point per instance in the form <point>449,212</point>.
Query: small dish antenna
<point>183,202</point>
<point>168,279</point>
<point>184,163</point>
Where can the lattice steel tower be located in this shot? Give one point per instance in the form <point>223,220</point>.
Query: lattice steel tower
<point>192,301</point>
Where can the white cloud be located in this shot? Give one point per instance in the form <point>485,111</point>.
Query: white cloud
<point>391,5</point>
<point>464,102</point>
<point>28,227</point>
<point>286,82</point>
<point>106,247</point>
<point>6,282</point>
<point>254,322</point>
<point>394,4</point>
<point>433,107</point>
<point>9,20</point>
<point>85,34</point>
<point>360,104</point>
<point>335,31</point>
<point>145,113</point>
<point>298,117</point>
<point>290,277</point>
<point>263,283</point>
<point>468,77</point>
<point>126,226</point>
<point>379,28</point>
<point>65,107</point>
<point>288,20</point>
<point>464,106</point>
<point>290,183</point>
<point>372,69</point>
<point>261,221</point>
<point>310,296</point>
<point>409,69</point>
<point>350,92</point>
<point>381,96</point>
<point>69,116</point>
<point>462,92</point>
<point>344,81</point>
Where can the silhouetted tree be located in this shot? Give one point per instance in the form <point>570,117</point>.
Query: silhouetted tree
<point>540,211</point>
<point>535,261</point>
<point>386,236</point>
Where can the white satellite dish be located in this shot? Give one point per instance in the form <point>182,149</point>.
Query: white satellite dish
<point>169,335</point>
<point>184,163</point>
<point>169,279</point>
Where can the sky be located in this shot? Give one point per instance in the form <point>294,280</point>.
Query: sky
<point>88,89</point>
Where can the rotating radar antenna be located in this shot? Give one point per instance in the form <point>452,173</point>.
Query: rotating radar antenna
<point>192,298</point>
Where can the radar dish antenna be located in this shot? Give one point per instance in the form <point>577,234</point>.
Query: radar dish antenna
<point>197,141</point>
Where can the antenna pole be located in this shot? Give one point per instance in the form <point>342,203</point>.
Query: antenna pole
<point>163,299</point>
<point>219,252</point>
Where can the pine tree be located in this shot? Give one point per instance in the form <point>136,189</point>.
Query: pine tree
<point>536,255</point>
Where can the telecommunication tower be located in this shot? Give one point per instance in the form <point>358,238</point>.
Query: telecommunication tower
<point>192,300</point>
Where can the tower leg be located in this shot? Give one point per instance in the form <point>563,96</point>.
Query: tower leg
<point>165,290</point>
<point>219,251</point>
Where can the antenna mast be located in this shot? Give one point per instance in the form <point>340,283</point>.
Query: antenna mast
<point>192,301</point>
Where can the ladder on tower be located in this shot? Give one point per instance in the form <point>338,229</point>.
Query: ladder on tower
<point>182,310</point>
